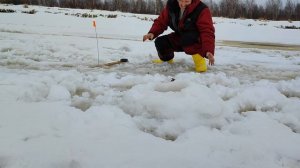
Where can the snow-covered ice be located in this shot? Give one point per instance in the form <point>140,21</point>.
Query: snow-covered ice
<point>59,110</point>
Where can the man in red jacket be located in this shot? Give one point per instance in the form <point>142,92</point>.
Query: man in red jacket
<point>194,32</point>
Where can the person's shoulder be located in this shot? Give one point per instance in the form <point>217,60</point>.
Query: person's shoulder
<point>206,10</point>
<point>201,5</point>
<point>205,15</point>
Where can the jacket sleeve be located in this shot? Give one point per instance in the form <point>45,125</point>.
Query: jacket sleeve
<point>161,23</point>
<point>207,32</point>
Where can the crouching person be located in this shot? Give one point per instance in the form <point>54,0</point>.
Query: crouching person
<point>193,34</point>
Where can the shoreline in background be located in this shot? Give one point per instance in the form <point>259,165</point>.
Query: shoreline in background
<point>259,45</point>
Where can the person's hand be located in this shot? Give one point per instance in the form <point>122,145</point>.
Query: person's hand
<point>210,58</point>
<point>148,36</point>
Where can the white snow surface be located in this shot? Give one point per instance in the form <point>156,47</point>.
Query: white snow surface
<point>60,111</point>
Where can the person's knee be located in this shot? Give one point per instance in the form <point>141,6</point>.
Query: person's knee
<point>160,42</point>
<point>164,49</point>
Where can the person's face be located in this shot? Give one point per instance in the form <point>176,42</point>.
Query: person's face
<point>184,3</point>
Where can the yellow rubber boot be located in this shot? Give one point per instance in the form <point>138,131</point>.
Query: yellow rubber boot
<point>159,61</point>
<point>200,63</point>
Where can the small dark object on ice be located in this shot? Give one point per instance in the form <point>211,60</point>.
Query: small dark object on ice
<point>124,60</point>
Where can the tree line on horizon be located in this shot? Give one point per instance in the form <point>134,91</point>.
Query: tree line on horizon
<point>272,10</point>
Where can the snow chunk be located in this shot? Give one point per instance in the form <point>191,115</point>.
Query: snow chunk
<point>169,109</point>
<point>259,98</point>
<point>290,88</point>
<point>58,92</point>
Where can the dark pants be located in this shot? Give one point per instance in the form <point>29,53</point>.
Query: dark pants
<point>166,46</point>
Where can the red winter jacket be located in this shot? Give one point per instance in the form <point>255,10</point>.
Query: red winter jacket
<point>204,23</point>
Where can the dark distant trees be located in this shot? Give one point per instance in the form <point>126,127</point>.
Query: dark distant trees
<point>290,9</point>
<point>250,8</point>
<point>230,8</point>
<point>273,9</point>
<point>297,12</point>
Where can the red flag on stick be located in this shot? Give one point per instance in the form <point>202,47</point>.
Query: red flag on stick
<point>94,23</point>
